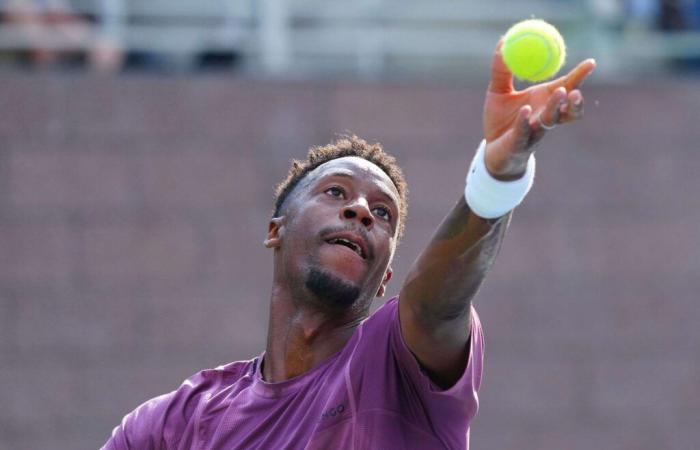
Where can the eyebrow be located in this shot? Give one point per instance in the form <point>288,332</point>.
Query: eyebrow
<point>347,174</point>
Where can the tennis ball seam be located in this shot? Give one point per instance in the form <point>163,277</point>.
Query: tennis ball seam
<point>539,56</point>
<point>550,55</point>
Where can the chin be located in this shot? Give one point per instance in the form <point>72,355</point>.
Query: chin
<point>332,289</point>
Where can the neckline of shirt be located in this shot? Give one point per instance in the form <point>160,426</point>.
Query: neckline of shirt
<point>287,387</point>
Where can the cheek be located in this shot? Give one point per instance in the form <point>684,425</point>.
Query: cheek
<point>385,250</point>
<point>298,240</point>
<point>301,235</point>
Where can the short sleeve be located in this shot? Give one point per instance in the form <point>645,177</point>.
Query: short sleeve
<point>386,376</point>
<point>163,420</point>
<point>143,427</point>
<point>468,384</point>
<point>451,409</point>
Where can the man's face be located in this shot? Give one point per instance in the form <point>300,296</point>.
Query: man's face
<point>339,231</point>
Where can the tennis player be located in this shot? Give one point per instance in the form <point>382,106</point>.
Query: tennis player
<point>332,376</point>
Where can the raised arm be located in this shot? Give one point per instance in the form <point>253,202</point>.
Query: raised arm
<point>435,299</point>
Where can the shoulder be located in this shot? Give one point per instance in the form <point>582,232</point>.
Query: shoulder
<point>201,388</point>
<point>162,420</point>
<point>394,379</point>
<point>383,326</point>
<point>385,314</point>
<point>205,384</point>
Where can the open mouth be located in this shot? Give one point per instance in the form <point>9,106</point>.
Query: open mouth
<point>349,244</point>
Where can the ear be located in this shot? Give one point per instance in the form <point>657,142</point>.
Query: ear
<point>385,281</point>
<point>275,231</point>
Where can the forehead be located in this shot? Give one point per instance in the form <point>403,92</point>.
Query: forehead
<point>357,168</point>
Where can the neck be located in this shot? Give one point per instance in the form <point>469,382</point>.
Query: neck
<point>301,337</point>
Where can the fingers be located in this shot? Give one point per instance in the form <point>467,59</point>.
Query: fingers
<point>517,138</point>
<point>520,137</point>
<point>501,77</point>
<point>550,115</point>
<point>561,108</point>
<point>523,131</point>
<point>510,151</point>
<point>576,76</point>
<point>573,108</point>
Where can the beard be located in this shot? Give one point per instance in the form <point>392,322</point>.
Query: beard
<point>332,290</point>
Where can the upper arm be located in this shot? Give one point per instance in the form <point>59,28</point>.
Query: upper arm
<point>435,300</point>
<point>442,351</point>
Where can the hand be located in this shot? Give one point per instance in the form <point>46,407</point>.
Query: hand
<point>514,121</point>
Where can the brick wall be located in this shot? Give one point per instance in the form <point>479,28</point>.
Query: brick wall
<point>132,212</point>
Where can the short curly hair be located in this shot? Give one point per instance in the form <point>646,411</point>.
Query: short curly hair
<point>344,145</point>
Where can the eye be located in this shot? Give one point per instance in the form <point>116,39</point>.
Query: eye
<point>382,212</point>
<point>335,191</point>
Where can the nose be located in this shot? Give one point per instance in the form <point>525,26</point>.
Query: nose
<point>358,210</point>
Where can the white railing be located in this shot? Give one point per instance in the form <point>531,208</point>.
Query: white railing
<point>366,37</point>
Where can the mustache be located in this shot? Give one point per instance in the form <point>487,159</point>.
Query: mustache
<point>357,230</point>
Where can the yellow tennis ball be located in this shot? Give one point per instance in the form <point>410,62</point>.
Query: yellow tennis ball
<point>533,50</point>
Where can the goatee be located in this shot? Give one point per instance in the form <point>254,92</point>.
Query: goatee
<point>333,291</point>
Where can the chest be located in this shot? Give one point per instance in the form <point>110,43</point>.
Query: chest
<point>323,415</point>
<point>254,418</point>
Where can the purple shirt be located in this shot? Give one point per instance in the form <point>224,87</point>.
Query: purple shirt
<point>372,394</point>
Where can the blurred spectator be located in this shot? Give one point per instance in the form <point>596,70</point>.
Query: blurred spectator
<point>56,34</point>
<point>643,12</point>
<point>681,16</point>
<point>671,16</point>
<point>668,16</point>
<point>107,54</point>
<point>678,15</point>
<point>665,15</point>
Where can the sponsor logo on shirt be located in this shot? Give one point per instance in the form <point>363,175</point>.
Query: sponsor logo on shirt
<point>333,412</point>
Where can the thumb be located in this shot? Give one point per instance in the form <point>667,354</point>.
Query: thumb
<point>506,157</point>
<point>501,77</point>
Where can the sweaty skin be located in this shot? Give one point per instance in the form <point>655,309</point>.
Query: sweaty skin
<point>352,195</point>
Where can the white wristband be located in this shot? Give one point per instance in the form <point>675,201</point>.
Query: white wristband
<point>491,198</point>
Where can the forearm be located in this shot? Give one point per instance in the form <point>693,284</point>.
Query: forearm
<point>446,276</point>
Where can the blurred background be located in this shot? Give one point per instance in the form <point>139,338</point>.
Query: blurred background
<point>140,141</point>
